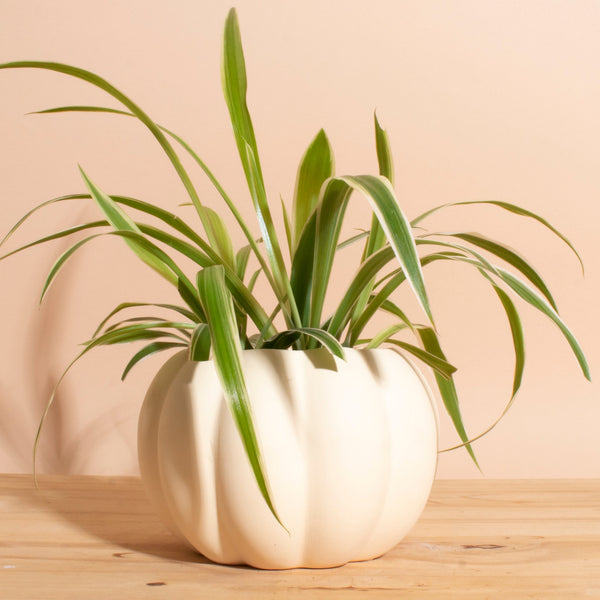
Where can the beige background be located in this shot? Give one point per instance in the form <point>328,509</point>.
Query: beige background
<point>482,100</point>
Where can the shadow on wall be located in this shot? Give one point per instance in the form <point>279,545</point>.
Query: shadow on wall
<point>66,442</point>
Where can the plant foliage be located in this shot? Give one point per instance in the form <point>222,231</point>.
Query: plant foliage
<point>218,314</point>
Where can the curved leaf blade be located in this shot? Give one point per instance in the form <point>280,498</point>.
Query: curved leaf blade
<point>329,217</point>
<point>397,229</point>
<point>301,278</point>
<point>218,305</point>
<point>365,274</point>
<point>381,298</point>
<point>384,151</point>
<point>509,256</point>
<point>104,85</point>
<point>121,222</point>
<point>287,338</point>
<point>537,301</point>
<point>126,305</point>
<point>149,350</point>
<point>439,365</point>
<point>512,208</point>
<point>56,236</point>
<point>200,343</point>
<point>316,165</point>
<point>219,235</point>
<point>235,86</point>
<point>447,389</point>
<point>516,328</point>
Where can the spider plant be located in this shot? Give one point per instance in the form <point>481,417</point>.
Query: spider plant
<point>217,313</point>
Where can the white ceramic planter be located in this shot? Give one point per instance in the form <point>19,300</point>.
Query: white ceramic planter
<point>350,449</point>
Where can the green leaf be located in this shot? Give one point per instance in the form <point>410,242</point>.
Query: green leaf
<point>287,338</point>
<point>219,235</point>
<point>121,222</point>
<point>136,331</point>
<point>200,343</point>
<point>394,309</point>
<point>241,261</point>
<point>172,219</point>
<point>447,388</point>
<point>126,305</point>
<point>91,109</point>
<point>29,213</point>
<point>253,278</point>
<point>233,74</point>
<point>269,235</point>
<point>56,236</point>
<point>439,365</point>
<point>149,350</point>
<point>512,208</point>
<point>352,240</point>
<point>527,294</point>
<point>384,335</point>
<point>366,273</point>
<point>175,243</point>
<point>537,301</point>
<point>145,207</point>
<point>58,264</point>
<point>376,238</point>
<point>302,269</point>
<point>330,214</point>
<point>381,298</point>
<point>381,196</point>
<point>384,151</point>
<point>190,297</point>
<point>316,165</point>
<point>329,218</point>
<point>259,338</point>
<point>155,320</point>
<point>519,347</point>
<point>516,329</point>
<point>234,88</point>
<point>146,246</point>
<point>218,305</point>
<point>123,99</point>
<point>508,255</point>
<point>288,228</point>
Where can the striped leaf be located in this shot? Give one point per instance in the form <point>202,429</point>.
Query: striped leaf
<point>537,301</point>
<point>397,230</point>
<point>286,339</point>
<point>509,256</point>
<point>439,365</point>
<point>218,305</point>
<point>104,85</point>
<point>447,388</point>
<point>516,329</point>
<point>149,350</point>
<point>121,222</point>
<point>512,208</point>
<point>316,166</point>
<point>126,305</point>
<point>200,343</point>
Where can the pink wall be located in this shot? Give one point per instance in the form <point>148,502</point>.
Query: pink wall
<point>482,100</point>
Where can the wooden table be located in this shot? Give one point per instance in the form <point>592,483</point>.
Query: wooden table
<point>97,537</point>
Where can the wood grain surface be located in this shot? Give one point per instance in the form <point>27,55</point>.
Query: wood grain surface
<point>97,537</point>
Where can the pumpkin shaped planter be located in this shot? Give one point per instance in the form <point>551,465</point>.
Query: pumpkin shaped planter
<point>349,446</point>
<point>280,435</point>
